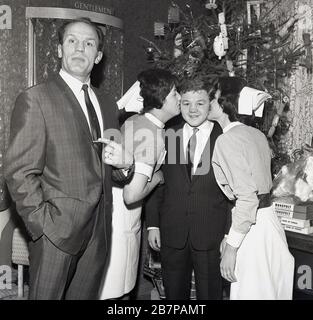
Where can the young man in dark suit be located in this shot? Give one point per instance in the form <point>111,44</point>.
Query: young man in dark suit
<point>187,218</point>
<point>55,173</point>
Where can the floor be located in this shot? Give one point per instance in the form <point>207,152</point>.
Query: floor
<point>144,290</point>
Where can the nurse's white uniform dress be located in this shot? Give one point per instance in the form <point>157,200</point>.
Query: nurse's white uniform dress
<point>122,270</point>
<point>264,266</point>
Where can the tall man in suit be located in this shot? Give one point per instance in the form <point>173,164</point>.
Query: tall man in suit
<point>55,173</point>
<point>187,217</point>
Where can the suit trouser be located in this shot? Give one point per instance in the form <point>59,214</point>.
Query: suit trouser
<point>55,274</point>
<point>177,266</point>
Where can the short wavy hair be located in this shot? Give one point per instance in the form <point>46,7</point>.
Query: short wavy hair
<point>85,20</point>
<point>155,85</point>
<point>195,84</point>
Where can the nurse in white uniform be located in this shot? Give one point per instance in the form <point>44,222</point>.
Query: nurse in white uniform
<point>255,255</point>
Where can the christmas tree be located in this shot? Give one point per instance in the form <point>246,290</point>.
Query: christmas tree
<point>236,38</point>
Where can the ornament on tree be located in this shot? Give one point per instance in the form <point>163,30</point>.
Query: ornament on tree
<point>178,45</point>
<point>173,14</point>
<point>210,4</point>
<point>221,21</point>
<point>159,30</point>
<point>218,46</point>
<point>150,54</point>
<point>253,11</point>
<point>152,50</point>
<point>230,67</point>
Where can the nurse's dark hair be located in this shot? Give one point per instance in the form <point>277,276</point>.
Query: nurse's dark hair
<point>230,88</point>
<point>155,85</point>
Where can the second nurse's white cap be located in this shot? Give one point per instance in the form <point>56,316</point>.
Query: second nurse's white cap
<point>252,100</point>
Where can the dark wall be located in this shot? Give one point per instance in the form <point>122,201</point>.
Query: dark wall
<point>13,61</point>
<point>139,17</point>
<point>13,55</point>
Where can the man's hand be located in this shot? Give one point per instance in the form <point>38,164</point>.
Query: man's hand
<point>115,155</point>
<point>228,263</point>
<point>154,239</point>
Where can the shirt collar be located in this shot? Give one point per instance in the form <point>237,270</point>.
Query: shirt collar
<point>154,120</point>
<point>205,127</point>
<point>72,82</point>
<point>231,125</point>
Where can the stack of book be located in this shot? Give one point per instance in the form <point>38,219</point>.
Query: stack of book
<point>295,217</point>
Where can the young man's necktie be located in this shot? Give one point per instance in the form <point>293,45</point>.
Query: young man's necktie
<point>191,148</point>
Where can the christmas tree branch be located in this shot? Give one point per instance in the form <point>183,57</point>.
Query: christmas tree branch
<point>151,44</point>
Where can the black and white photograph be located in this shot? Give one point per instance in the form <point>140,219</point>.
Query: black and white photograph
<point>156,154</point>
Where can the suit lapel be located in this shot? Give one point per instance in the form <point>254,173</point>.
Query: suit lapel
<point>74,104</point>
<point>76,108</point>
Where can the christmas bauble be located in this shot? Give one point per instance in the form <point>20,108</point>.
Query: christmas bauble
<point>218,46</point>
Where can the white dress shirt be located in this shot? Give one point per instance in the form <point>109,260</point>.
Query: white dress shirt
<point>76,86</point>
<point>203,135</point>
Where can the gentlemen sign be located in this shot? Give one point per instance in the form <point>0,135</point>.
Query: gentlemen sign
<point>92,7</point>
<point>5,17</point>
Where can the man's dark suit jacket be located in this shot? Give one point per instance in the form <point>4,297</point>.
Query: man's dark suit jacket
<point>182,207</point>
<point>52,168</point>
